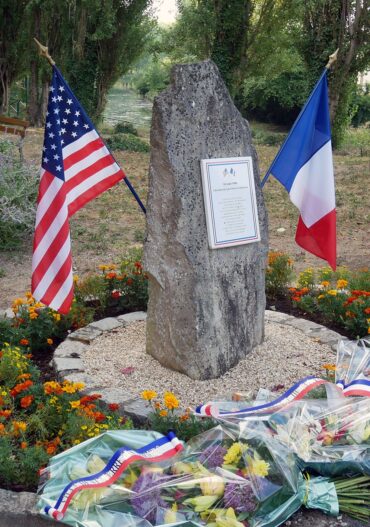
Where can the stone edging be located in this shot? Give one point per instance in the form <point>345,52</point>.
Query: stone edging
<point>18,508</point>
<point>68,363</point>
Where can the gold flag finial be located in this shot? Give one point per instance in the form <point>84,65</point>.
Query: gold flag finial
<point>332,59</point>
<point>43,50</point>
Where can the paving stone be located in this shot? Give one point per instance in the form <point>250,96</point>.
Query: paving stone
<point>6,313</point>
<point>70,348</point>
<point>277,316</point>
<point>86,334</point>
<point>138,409</point>
<point>17,509</point>
<point>106,324</point>
<point>132,317</point>
<point>304,325</point>
<point>78,377</point>
<point>67,364</point>
<point>329,337</point>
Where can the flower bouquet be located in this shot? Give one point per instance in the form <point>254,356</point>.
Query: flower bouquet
<point>222,478</point>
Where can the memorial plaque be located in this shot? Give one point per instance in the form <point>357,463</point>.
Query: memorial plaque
<point>230,201</point>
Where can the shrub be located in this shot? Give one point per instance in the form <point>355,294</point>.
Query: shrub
<point>38,420</point>
<point>279,273</point>
<point>127,142</point>
<point>18,192</point>
<point>125,127</point>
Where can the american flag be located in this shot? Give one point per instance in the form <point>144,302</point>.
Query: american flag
<point>76,167</point>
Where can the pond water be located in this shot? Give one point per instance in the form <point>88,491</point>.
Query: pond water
<point>127,105</point>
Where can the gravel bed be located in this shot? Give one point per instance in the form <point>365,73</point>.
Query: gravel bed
<point>118,360</point>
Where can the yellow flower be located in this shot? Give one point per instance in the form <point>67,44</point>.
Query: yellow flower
<point>148,395</point>
<point>212,486</point>
<point>163,413</point>
<point>320,297</point>
<point>170,515</point>
<point>325,283</point>
<point>56,317</point>
<point>329,367</point>
<point>103,267</point>
<point>201,503</point>
<point>233,455</point>
<point>49,341</point>
<point>258,467</point>
<point>75,404</point>
<point>332,292</point>
<point>33,315</point>
<point>341,284</point>
<point>76,278</point>
<point>170,401</point>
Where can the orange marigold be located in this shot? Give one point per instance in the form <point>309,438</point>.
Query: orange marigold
<point>113,406</point>
<point>163,413</point>
<point>24,342</point>
<point>27,401</point>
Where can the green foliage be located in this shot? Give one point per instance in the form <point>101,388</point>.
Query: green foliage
<point>279,273</point>
<point>125,127</point>
<point>341,298</point>
<point>276,99</point>
<point>360,103</point>
<point>18,193</point>
<point>326,27</point>
<point>127,142</point>
<point>38,420</point>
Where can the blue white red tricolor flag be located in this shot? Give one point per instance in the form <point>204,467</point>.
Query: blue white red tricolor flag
<point>76,168</point>
<point>304,165</point>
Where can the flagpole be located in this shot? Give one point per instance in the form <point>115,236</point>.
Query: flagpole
<point>332,59</point>
<point>44,52</point>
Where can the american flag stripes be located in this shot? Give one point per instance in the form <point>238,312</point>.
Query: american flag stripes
<point>76,168</point>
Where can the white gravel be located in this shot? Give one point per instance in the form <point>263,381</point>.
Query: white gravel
<point>286,355</point>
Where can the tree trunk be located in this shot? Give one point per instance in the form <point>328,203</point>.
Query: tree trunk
<point>4,89</point>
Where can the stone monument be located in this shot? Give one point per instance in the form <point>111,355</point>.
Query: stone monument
<point>206,306</point>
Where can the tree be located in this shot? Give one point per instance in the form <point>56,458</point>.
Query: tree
<point>231,41</point>
<point>12,42</point>
<point>332,24</point>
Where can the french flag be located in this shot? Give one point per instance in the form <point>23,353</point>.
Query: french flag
<point>304,165</point>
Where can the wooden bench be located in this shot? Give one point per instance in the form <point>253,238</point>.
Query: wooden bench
<point>10,125</point>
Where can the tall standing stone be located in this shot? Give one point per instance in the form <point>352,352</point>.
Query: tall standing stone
<point>206,307</point>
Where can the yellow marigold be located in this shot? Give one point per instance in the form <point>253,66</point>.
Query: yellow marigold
<point>49,341</point>
<point>171,401</point>
<point>320,297</point>
<point>112,267</point>
<point>332,292</point>
<point>163,413</point>
<point>19,426</point>
<point>341,284</point>
<point>33,315</point>
<point>76,278</point>
<point>329,367</point>
<point>103,267</point>
<point>56,317</point>
<point>19,302</point>
<point>148,395</point>
<point>325,283</point>
<point>74,404</point>
<point>29,294</point>
<point>258,467</point>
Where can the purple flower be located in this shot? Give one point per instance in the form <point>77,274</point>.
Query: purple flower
<point>213,456</point>
<point>240,497</point>
<point>147,501</point>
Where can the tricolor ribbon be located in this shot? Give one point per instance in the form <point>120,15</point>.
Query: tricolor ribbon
<point>359,387</point>
<point>158,450</point>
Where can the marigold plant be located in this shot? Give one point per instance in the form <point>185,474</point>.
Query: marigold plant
<point>39,419</point>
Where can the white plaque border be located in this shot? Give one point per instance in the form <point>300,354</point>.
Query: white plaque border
<point>209,205</point>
